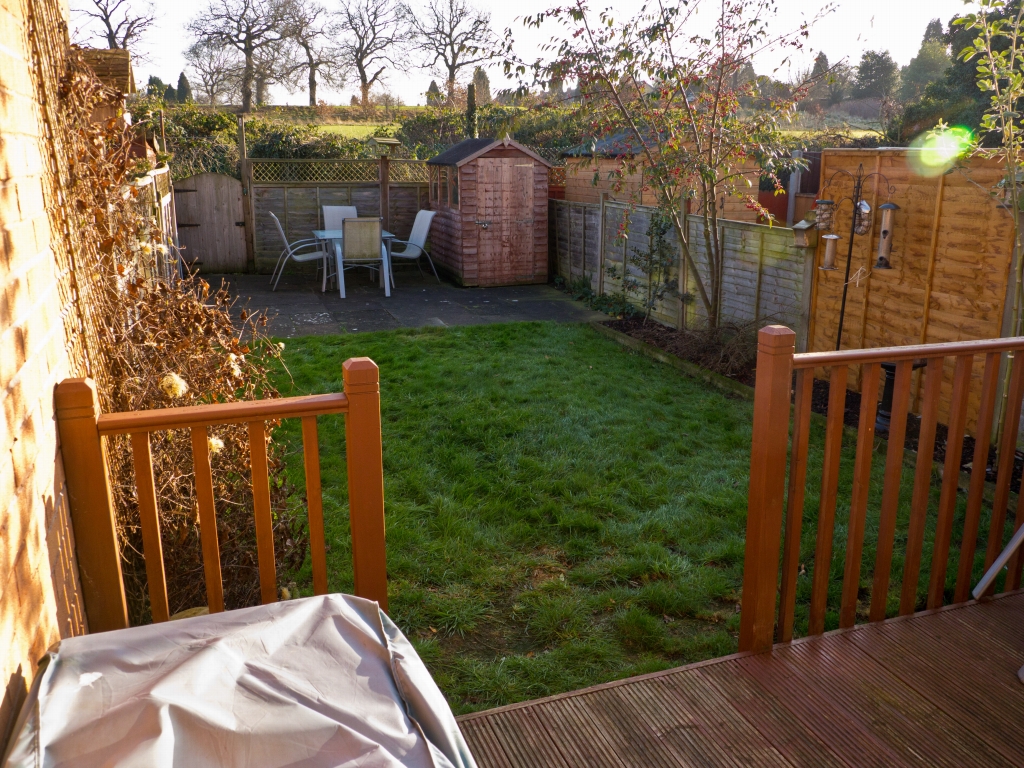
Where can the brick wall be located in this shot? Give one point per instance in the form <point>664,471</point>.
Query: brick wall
<point>39,595</point>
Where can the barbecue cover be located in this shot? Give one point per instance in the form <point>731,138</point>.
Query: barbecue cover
<point>320,681</point>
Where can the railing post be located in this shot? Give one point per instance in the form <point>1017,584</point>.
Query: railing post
<point>765,495</point>
<point>92,506</point>
<point>365,478</point>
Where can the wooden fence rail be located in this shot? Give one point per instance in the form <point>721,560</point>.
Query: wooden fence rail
<point>82,428</point>
<point>769,495</point>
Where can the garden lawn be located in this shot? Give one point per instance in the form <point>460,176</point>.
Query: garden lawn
<point>562,512</point>
<point>559,512</point>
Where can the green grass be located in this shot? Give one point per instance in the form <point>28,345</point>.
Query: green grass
<point>560,512</point>
<point>351,130</point>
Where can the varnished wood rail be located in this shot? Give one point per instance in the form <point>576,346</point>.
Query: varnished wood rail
<point>775,510</point>
<point>82,427</point>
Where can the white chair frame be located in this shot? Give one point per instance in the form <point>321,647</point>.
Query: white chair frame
<point>297,252</point>
<point>414,246</point>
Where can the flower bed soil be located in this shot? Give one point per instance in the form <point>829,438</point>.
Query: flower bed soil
<point>676,343</point>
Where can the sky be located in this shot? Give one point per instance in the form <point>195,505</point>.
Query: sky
<point>854,27</point>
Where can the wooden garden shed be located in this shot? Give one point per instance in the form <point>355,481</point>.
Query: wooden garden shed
<point>491,198</point>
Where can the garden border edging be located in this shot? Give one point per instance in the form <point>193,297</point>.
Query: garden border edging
<point>690,369</point>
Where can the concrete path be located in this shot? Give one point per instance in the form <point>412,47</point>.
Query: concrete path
<point>298,308</point>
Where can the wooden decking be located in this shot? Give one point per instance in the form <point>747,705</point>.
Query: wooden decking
<point>938,688</point>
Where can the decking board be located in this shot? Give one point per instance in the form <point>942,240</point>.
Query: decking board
<point>937,688</point>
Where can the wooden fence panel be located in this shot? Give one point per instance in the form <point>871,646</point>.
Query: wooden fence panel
<point>765,274</point>
<point>951,255</point>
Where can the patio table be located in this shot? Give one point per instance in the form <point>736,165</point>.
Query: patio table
<point>335,236</point>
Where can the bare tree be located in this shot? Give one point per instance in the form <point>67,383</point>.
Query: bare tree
<point>374,39</point>
<point>275,64</point>
<point>215,69</point>
<point>312,29</point>
<point>453,35</point>
<point>121,28</point>
<point>248,26</point>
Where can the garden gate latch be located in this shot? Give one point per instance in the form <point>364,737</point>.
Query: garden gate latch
<point>484,224</point>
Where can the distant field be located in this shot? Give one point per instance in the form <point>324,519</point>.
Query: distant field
<point>351,130</point>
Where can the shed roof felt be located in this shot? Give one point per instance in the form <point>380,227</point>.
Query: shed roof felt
<point>113,68</point>
<point>470,149</point>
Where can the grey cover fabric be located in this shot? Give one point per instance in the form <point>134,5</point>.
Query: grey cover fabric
<point>320,681</point>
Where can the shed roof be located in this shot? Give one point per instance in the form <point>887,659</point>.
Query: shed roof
<point>470,149</point>
<point>113,68</point>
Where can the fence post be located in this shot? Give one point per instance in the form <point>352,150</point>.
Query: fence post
<point>248,215</point>
<point>92,507</point>
<point>365,478</point>
<point>385,192</point>
<point>794,189</point>
<point>765,495</point>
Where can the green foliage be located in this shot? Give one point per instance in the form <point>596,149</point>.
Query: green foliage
<point>472,127</point>
<point>434,97</point>
<point>170,95</point>
<point>156,87</point>
<point>435,129</point>
<point>184,89</point>
<point>482,85</point>
<point>650,278</point>
<point>929,65</point>
<point>614,304</point>
<point>878,76</point>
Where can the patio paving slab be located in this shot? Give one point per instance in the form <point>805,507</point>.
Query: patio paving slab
<point>298,308</point>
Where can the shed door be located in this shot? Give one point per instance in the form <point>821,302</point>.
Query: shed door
<point>211,226</point>
<point>506,195</point>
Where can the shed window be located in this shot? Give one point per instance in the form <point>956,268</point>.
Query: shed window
<point>433,172</point>
<point>442,186</point>
<point>453,187</point>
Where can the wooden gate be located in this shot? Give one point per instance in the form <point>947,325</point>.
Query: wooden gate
<point>211,226</point>
<point>506,204</point>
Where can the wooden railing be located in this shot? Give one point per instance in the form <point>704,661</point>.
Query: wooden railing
<point>769,495</point>
<point>82,428</point>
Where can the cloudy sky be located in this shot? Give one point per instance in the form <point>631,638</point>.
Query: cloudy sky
<point>854,26</point>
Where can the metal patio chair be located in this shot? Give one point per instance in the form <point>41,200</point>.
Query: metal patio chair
<point>414,246</point>
<point>298,252</point>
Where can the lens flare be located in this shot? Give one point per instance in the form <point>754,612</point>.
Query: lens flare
<point>937,151</point>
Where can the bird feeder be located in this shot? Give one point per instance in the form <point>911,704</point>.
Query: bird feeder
<point>863,218</point>
<point>885,238</point>
<point>824,212</point>
<point>805,234</point>
<point>831,246</point>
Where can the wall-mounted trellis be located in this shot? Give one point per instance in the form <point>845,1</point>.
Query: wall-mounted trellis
<point>306,171</point>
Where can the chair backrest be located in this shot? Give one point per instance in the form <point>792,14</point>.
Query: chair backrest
<point>421,228</point>
<point>335,214</point>
<point>280,230</point>
<point>361,240</point>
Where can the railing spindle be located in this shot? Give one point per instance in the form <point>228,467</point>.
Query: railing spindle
<point>829,491</point>
<point>1007,449</point>
<point>1013,565</point>
<point>261,508</point>
<point>207,519</point>
<point>314,505</point>
<point>859,496</point>
<point>891,489</point>
<point>152,549</point>
<point>922,485</point>
<point>972,516</point>
<point>795,503</point>
<point>950,479</point>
